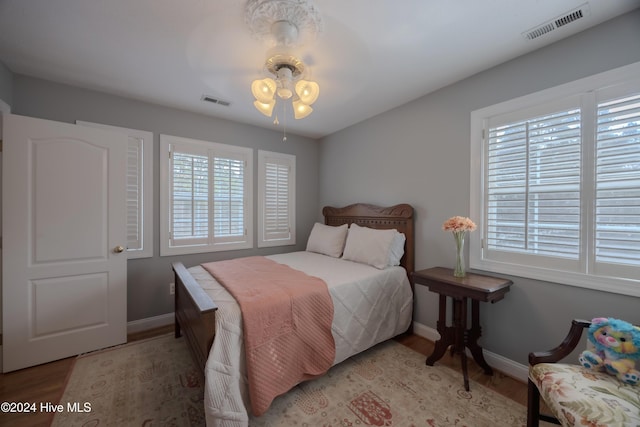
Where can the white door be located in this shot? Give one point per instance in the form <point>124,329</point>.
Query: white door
<point>64,218</point>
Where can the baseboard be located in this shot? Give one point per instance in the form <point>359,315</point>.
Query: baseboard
<point>150,323</point>
<point>507,366</point>
<point>425,332</point>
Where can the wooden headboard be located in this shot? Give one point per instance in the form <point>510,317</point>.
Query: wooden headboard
<point>399,217</point>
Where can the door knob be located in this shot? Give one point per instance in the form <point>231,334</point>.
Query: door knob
<point>118,249</point>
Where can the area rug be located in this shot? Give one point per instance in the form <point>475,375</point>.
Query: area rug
<point>390,385</point>
<point>151,382</point>
<point>155,383</point>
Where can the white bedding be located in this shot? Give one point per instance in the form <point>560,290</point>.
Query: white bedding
<point>370,306</point>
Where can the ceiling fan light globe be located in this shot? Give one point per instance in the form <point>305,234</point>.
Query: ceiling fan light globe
<point>265,108</point>
<point>264,90</point>
<point>307,91</point>
<point>300,109</point>
<point>284,93</point>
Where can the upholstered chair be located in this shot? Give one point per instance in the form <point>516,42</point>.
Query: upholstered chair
<point>575,395</point>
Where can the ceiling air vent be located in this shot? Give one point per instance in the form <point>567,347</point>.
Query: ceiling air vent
<point>213,100</point>
<point>564,19</point>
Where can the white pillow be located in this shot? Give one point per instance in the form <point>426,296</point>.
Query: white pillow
<point>397,249</point>
<point>369,246</point>
<point>327,240</point>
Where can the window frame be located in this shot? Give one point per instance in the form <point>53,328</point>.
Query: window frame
<point>212,149</point>
<point>288,160</point>
<point>587,274</point>
<point>145,175</point>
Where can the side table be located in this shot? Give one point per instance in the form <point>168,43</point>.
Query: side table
<point>474,286</point>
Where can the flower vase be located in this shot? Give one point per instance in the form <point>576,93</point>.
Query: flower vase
<point>459,271</point>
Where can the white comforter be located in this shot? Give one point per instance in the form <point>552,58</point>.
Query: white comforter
<point>370,306</point>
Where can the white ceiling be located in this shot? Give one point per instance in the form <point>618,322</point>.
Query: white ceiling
<point>373,55</point>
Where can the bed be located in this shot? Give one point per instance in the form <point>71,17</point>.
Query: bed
<point>204,310</point>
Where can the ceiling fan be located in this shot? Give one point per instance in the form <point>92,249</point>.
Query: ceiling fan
<point>284,25</point>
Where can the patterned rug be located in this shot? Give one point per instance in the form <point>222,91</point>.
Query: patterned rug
<point>151,382</point>
<point>390,385</point>
<point>154,383</point>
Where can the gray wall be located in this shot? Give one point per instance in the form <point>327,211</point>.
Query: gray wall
<point>6,84</point>
<point>149,278</point>
<point>418,153</point>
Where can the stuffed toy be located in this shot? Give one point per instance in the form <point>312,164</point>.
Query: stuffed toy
<point>616,347</point>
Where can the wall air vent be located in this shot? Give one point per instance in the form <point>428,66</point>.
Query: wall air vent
<point>555,23</point>
<point>213,100</point>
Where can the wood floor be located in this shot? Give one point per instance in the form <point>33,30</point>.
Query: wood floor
<point>499,382</point>
<point>45,383</point>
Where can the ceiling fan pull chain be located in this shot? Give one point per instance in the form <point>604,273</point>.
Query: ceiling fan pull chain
<point>284,114</point>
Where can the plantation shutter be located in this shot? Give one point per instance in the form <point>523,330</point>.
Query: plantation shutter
<point>134,194</point>
<point>189,197</point>
<point>205,196</point>
<point>533,185</point>
<point>276,199</point>
<point>228,197</point>
<point>617,204</point>
<point>139,189</point>
<point>555,184</point>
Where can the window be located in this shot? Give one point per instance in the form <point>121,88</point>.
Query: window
<point>139,189</point>
<point>206,199</point>
<point>557,189</point>
<point>276,199</point>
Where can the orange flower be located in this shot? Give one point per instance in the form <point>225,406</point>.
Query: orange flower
<point>458,223</point>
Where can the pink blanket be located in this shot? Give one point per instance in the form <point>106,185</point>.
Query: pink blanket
<point>286,317</point>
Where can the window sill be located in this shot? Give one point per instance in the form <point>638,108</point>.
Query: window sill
<point>614,285</point>
<point>198,249</point>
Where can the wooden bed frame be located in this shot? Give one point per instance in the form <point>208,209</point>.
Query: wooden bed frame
<point>195,311</point>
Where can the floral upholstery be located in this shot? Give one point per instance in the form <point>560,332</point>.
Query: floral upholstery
<point>581,397</point>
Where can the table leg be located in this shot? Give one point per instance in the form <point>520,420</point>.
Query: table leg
<point>461,333</point>
<point>446,333</point>
<point>459,323</point>
<point>471,339</point>
<point>465,374</point>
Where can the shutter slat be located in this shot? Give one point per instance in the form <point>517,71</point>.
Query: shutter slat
<point>617,205</point>
<point>228,211</point>
<point>276,199</point>
<point>134,193</point>
<point>189,198</point>
<point>533,200</point>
